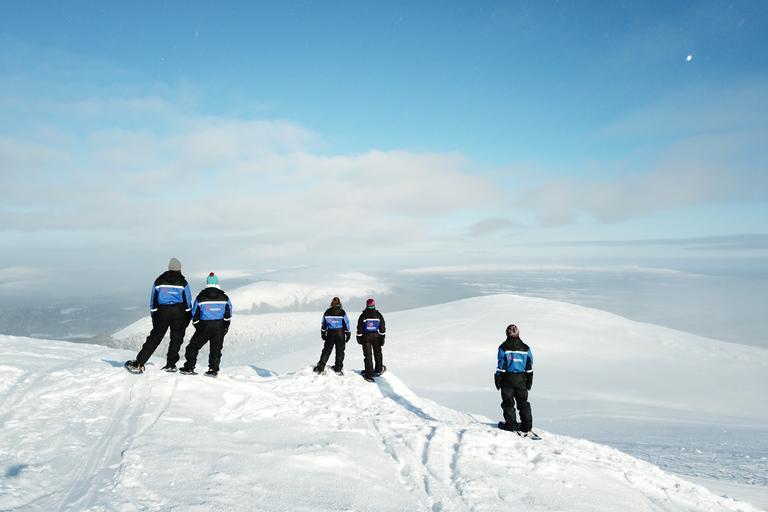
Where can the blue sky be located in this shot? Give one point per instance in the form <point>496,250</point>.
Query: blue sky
<point>247,135</point>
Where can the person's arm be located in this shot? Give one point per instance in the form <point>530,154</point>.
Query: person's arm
<point>360,324</point>
<point>500,367</point>
<point>153,300</point>
<point>195,312</point>
<point>529,371</point>
<point>382,326</point>
<point>188,297</point>
<point>347,328</point>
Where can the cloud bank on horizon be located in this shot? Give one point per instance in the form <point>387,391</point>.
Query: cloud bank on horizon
<point>430,134</point>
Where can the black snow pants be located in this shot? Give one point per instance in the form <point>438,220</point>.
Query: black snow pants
<point>372,357</point>
<point>513,391</point>
<point>334,339</point>
<point>205,331</point>
<point>177,318</point>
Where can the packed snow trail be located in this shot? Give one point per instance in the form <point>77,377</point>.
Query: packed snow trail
<point>81,433</point>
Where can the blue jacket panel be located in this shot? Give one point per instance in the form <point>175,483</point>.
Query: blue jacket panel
<point>370,326</point>
<point>335,318</point>
<point>514,357</point>
<point>213,310</point>
<point>169,289</point>
<point>211,304</point>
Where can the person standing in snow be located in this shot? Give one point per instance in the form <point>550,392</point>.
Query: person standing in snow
<point>169,305</point>
<point>371,331</point>
<point>335,331</point>
<point>514,377</point>
<point>211,316</point>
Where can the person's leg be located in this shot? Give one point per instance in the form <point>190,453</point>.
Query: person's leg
<point>199,339</point>
<point>214,356</point>
<point>341,345</point>
<point>325,354</point>
<point>368,359</point>
<point>508,407</point>
<point>523,407</point>
<point>378,357</point>
<point>160,325</point>
<point>178,328</point>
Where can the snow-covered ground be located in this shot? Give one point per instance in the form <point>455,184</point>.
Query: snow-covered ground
<point>80,433</point>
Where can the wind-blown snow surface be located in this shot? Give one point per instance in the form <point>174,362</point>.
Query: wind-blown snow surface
<point>78,432</point>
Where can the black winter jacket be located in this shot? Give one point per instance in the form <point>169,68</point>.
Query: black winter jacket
<point>370,326</point>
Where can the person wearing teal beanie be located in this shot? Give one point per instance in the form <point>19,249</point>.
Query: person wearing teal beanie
<point>211,316</point>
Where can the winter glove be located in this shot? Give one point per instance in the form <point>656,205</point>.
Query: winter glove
<point>497,380</point>
<point>382,340</point>
<point>347,335</point>
<point>324,335</point>
<point>359,339</point>
<point>529,381</point>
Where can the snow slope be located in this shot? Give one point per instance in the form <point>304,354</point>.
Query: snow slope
<point>691,405</point>
<point>80,433</point>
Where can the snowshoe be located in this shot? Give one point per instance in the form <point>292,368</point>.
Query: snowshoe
<point>134,367</point>
<point>338,372</point>
<point>318,371</point>
<point>383,369</point>
<point>530,435</point>
<point>367,377</point>
<point>211,373</point>
<point>503,426</point>
<point>187,371</point>
<point>170,368</point>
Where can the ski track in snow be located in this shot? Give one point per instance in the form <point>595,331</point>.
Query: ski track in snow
<point>81,433</point>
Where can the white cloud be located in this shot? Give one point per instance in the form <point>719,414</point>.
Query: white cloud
<point>258,185</point>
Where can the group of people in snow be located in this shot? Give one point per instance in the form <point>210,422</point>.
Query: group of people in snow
<point>211,313</point>
<point>171,308</point>
<point>336,332</point>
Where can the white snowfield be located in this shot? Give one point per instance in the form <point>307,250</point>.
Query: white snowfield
<point>80,433</point>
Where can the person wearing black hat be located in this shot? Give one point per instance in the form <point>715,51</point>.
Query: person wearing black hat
<point>211,316</point>
<point>371,332</point>
<point>169,306</point>
<point>514,377</point>
<point>335,331</point>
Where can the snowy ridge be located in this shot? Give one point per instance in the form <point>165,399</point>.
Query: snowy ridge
<point>80,433</point>
<point>302,288</point>
<point>643,389</point>
<point>246,331</point>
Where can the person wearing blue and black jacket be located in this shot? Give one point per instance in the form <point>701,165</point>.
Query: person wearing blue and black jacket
<point>169,305</point>
<point>371,332</point>
<point>514,377</point>
<point>211,316</point>
<point>335,331</point>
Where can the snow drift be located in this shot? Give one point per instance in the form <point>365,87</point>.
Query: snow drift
<point>80,433</point>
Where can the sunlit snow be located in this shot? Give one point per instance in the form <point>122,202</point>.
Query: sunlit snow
<point>80,433</point>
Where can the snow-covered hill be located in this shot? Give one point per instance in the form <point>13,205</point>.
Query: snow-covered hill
<point>80,433</point>
<point>690,405</point>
